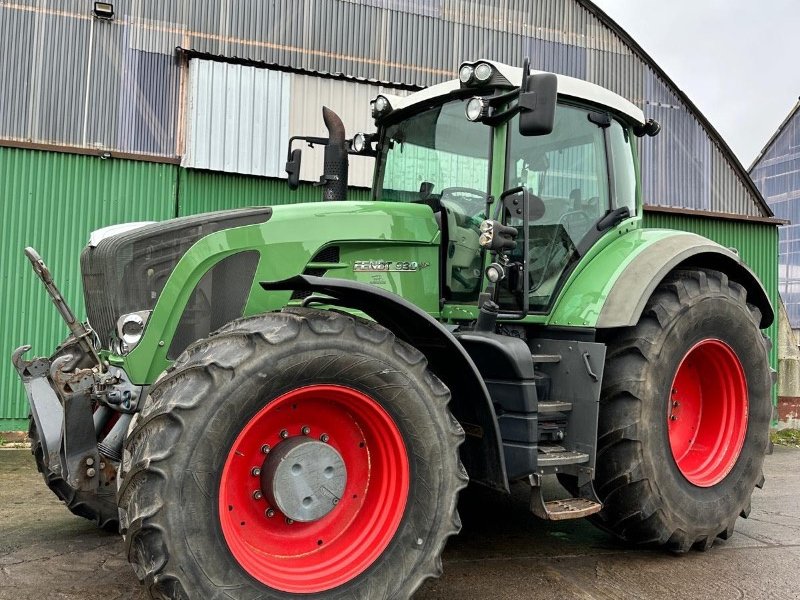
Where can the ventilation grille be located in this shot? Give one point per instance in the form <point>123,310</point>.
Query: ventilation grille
<point>218,298</point>
<point>326,255</point>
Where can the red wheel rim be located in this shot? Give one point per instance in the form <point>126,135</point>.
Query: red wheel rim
<point>707,413</point>
<point>316,556</point>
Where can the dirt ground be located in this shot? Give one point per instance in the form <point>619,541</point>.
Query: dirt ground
<point>503,551</point>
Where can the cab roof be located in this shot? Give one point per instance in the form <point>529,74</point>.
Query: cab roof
<point>568,87</point>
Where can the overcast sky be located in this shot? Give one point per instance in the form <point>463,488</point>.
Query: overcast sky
<point>737,60</point>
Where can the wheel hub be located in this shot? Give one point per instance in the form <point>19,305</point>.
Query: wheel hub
<point>303,478</point>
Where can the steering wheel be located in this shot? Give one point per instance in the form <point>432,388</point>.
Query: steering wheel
<point>465,203</point>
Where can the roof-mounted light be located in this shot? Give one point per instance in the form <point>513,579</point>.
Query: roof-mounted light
<point>483,72</point>
<point>380,107</point>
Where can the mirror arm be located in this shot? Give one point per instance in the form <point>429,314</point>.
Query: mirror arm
<point>309,139</point>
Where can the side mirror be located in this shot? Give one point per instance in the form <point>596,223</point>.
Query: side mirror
<point>651,128</point>
<point>537,104</point>
<point>293,168</point>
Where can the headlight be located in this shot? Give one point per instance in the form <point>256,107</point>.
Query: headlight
<point>476,108</point>
<point>495,272</point>
<point>483,72</point>
<point>130,329</point>
<point>465,74</point>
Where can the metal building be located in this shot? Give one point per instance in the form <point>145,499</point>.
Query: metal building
<point>169,108</point>
<point>776,172</point>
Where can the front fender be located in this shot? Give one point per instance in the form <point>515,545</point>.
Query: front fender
<point>482,452</point>
<point>612,289</point>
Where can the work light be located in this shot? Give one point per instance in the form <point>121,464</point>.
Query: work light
<point>476,108</point>
<point>483,72</point>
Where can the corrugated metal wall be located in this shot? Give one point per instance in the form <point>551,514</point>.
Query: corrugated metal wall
<point>777,175</point>
<point>757,244</point>
<point>69,79</point>
<point>52,201</point>
<point>118,84</point>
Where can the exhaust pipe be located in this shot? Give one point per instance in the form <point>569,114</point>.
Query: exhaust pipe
<point>335,169</point>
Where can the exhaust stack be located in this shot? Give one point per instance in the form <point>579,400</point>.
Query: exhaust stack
<point>334,177</point>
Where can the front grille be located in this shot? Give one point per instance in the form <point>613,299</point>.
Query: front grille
<point>127,272</point>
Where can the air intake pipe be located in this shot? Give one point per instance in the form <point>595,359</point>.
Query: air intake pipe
<point>334,177</point>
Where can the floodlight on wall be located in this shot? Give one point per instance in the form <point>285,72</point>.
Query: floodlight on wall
<point>103,10</point>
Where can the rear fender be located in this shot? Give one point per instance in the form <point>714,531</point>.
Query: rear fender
<point>633,288</point>
<point>482,452</point>
<point>612,288</point>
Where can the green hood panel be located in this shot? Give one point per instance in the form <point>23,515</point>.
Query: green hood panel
<point>402,237</point>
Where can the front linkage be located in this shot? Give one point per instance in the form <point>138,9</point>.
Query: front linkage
<point>80,405</point>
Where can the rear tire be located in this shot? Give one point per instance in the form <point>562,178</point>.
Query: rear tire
<point>684,415</point>
<point>193,515</point>
<point>99,506</point>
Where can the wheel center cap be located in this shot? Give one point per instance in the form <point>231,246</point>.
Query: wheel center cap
<point>303,478</point>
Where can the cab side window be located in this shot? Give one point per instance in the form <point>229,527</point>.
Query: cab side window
<point>567,170</point>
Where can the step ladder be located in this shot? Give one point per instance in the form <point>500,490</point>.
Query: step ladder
<point>587,503</point>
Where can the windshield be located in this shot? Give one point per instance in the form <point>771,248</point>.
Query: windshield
<point>440,159</point>
<point>433,151</point>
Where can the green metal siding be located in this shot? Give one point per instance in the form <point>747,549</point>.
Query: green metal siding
<point>51,201</point>
<point>205,191</point>
<point>757,244</point>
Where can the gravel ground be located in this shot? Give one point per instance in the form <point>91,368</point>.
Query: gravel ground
<point>503,551</point>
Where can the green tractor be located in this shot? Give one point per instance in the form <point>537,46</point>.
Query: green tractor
<point>285,401</point>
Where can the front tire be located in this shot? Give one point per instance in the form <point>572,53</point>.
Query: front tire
<point>208,506</point>
<point>684,415</point>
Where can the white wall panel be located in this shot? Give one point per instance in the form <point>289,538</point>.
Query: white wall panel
<point>238,118</point>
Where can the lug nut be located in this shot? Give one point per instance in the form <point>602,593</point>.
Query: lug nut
<point>324,438</point>
<point>255,471</point>
<point>284,434</point>
<point>289,521</point>
<point>676,404</point>
<point>673,418</point>
<point>335,501</point>
<point>269,512</point>
<point>257,495</point>
<point>265,449</point>
<point>89,461</point>
<point>305,430</point>
<point>90,472</point>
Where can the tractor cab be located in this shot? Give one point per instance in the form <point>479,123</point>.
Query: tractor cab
<point>565,145</point>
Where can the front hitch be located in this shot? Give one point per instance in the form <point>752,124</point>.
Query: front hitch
<point>73,397</point>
